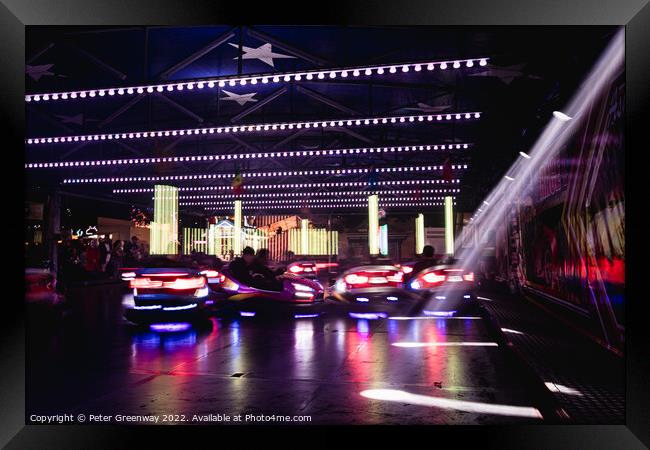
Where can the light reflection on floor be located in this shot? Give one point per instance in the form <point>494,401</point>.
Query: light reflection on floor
<point>317,366</point>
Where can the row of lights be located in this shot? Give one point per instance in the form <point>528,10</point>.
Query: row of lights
<point>289,154</point>
<point>264,79</point>
<point>261,174</point>
<point>308,201</point>
<point>315,194</point>
<point>350,205</point>
<point>295,185</point>
<point>257,127</point>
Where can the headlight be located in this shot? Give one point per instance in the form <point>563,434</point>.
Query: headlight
<point>203,292</point>
<point>340,286</point>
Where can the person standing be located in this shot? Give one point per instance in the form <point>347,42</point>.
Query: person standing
<point>105,254</point>
<point>91,258</point>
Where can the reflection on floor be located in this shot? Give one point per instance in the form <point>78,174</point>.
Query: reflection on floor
<point>336,369</point>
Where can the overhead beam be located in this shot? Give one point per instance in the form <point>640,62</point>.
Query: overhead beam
<point>327,100</point>
<point>121,110</point>
<point>259,104</point>
<point>180,107</point>
<point>74,149</point>
<point>113,71</point>
<point>40,52</point>
<point>287,47</point>
<point>48,119</point>
<point>289,138</point>
<point>198,54</point>
<point>354,134</point>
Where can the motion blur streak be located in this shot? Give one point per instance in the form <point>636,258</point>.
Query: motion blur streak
<point>555,135</point>
<point>445,344</point>
<point>392,395</point>
<point>554,387</point>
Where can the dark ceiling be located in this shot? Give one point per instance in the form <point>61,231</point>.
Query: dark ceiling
<point>531,72</point>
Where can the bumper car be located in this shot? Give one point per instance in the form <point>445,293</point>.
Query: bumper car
<point>372,292</point>
<point>299,296</point>
<point>167,295</point>
<point>42,299</point>
<point>446,290</point>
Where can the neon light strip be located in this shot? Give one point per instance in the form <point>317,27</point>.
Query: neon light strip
<point>170,326</point>
<point>256,127</point>
<point>276,77</point>
<point>370,316</point>
<point>309,200</point>
<point>311,194</point>
<point>237,241</point>
<point>203,158</point>
<point>179,308</point>
<point>419,234</point>
<point>444,344</point>
<point>449,226</point>
<point>373,224</point>
<point>300,186</point>
<point>147,307</point>
<point>305,316</point>
<point>163,231</point>
<point>434,318</point>
<point>260,174</point>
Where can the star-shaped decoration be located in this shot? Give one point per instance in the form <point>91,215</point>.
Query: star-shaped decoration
<point>264,53</point>
<point>36,72</point>
<point>241,99</point>
<point>505,74</point>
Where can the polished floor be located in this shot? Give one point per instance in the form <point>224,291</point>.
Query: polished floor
<point>333,369</point>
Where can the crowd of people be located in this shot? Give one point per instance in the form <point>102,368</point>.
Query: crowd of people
<point>89,259</point>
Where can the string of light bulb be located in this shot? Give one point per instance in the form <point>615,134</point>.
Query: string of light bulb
<point>228,187</point>
<point>316,194</point>
<point>264,78</point>
<point>368,121</point>
<point>239,156</point>
<point>282,173</point>
<point>246,206</point>
<point>309,201</point>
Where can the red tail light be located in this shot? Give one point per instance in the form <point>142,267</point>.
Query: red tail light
<point>210,273</point>
<point>145,283</point>
<point>177,284</point>
<point>374,278</point>
<point>433,277</point>
<point>438,277</point>
<point>354,278</point>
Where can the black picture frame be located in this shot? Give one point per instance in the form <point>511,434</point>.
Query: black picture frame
<point>15,15</point>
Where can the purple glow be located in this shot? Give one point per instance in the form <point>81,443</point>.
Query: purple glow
<point>209,302</point>
<point>246,314</point>
<point>439,313</point>
<point>178,308</point>
<point>305,316</point>
<point>170,327</point>
<point>369,316</point>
